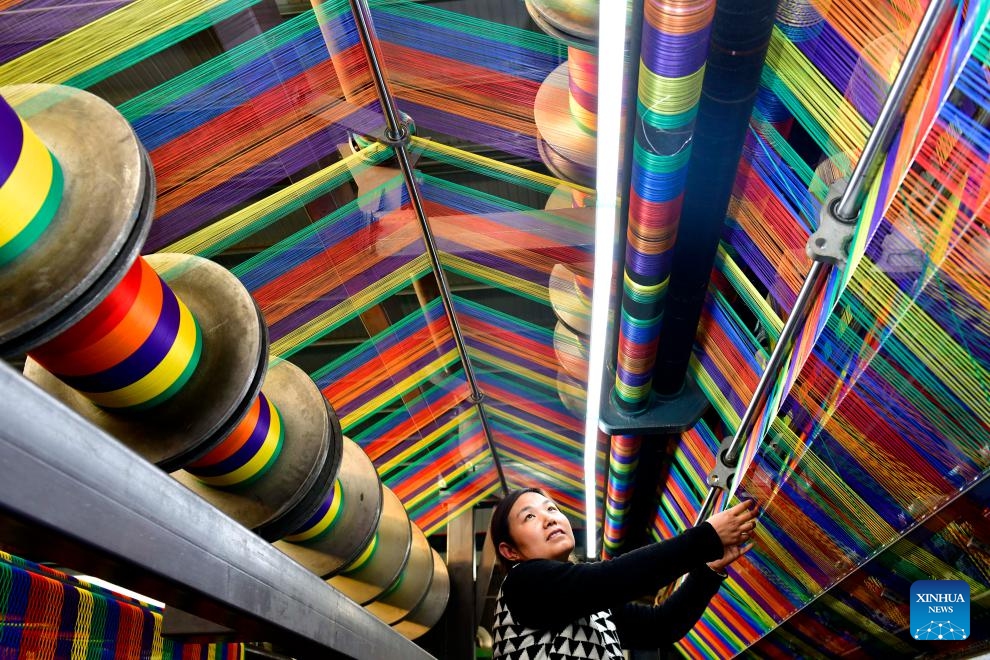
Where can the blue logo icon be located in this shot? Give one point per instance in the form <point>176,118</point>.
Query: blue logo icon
<point>940,609</point>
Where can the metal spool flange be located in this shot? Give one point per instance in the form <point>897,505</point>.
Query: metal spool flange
<point>369,581</point>
<point>411,585</point>
<point>429,610</point>
<point>361,510</point>
<point>301,477</point>
<point>101,224</point>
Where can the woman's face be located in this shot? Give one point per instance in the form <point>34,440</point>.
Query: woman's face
<point>539,530</point>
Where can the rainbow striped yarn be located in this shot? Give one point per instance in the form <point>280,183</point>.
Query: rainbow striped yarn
<point>248,452</point>
<point>321,522</point>
<point>31,185</point>
<point>135,350</point>
<point>45,613</point>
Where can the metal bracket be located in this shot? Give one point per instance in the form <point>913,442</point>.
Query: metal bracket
<point>405,129</point>
<point>830,242</point>
<point>725,466</point>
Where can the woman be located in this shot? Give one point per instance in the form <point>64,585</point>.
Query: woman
<point>550,608</point>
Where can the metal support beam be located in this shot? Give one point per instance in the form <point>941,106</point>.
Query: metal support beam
<point>460,566</point>
<point>486,568</point>
<point>810,291</point>
<point>845,209</point>
<point>72,494</point>
<point>397,136</point>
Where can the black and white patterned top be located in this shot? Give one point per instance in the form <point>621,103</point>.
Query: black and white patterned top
<point>553,610</point>
<point>591,636</point>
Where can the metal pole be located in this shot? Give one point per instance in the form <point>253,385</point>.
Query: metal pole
<point>397,136</point>
<point>847,210</point>
<point>891,113</point>
<point>806,296</point>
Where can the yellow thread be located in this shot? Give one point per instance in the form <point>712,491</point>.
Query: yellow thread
<point>199,242</point>
<point>162,376</point>
<point>25,190</point>
<point>449,426</point>
<point>259,460</point>
<point>348,308</point>
<point>364,557</point>
<point>326,521</point>
<point>84,616</point>
<point>102,40</point>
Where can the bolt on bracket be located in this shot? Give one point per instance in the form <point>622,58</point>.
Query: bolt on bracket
<point>725,466</point>
<point>830,242</point>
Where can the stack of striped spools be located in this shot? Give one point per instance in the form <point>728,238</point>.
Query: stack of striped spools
<point>565,111</point>
<point>169,354</point>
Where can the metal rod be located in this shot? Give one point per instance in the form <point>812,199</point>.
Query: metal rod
<point>848,208</point>
<point>806,296</point>
<point>397,135</point>
<point>851,202</point>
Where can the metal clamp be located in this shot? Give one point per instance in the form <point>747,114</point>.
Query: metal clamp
<point>390,138</point>
<point>830,242</point>
<point>725,466</point>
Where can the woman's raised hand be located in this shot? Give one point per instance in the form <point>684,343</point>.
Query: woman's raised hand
<point>735,525</point>
<point>731,553</point>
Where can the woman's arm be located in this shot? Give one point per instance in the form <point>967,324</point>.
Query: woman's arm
<point>545,593</point>
<point>648,627</point>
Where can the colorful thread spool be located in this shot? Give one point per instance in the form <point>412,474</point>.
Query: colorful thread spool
<point>567,139</point>
<point>31,185</point>
<point>572,393</point>
<point>324,520</point>
<point>55,276</point>
<point>382,560</point>
<point>326,543</point>
<point>572,21</point>
<point>428,611</point>
<point>274,486</point>
<point>248,453</point>
<point>135,350</point>
<point>81,301</point>
<point>571,350</point>
<point>801,20</point>
<point>207,408</point>
<point>565,148</point>
<point>570,297</point>
<point>412,584</point>
<point>623,462</point>
<point>582,87</point>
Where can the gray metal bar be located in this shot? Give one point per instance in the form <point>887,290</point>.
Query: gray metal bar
<point>460,614</point>
<point>851,202</point>
<point>72,494</point>
<point>847,208</point>
<point>806,296</point>
<point>398,136</point>
<point>486,568</point>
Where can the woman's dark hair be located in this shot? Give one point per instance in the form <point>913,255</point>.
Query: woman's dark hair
<point>499,529</point>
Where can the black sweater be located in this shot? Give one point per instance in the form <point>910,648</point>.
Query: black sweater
<point>548,594</point>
